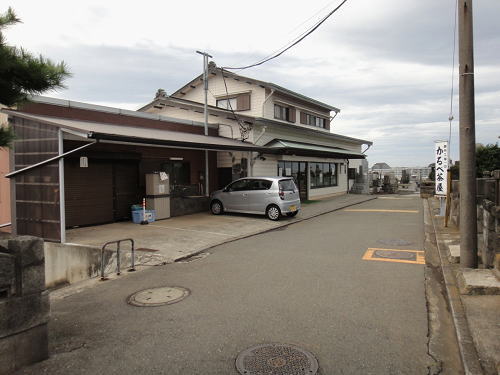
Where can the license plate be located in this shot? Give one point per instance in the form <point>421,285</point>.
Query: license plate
<point>292,208</point>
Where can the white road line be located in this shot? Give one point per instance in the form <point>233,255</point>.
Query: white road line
<point>191,230</point>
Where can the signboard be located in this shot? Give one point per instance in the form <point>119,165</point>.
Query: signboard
<point>84,162</point>
<point>441,157</point>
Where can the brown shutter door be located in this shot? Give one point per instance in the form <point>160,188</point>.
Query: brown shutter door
<point>302,117</point>
<point>126,182</point>
<point>292,111</point>
<point>243,102</point>
<point>327,123</point>
<point>88,192</point>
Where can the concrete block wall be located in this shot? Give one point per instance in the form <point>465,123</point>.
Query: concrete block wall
<point>488,217</point>
<point>24,303</point>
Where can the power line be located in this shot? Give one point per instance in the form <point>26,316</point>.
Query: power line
<point>296,28</point>
<point>450,117</point>
<point>244,129</point>
<point>297,41</point>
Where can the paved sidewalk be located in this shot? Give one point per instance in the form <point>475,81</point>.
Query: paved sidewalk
<point>477,317</point>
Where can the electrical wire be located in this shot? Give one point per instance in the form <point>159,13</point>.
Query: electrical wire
<point>244,129</point>
<point>296,28</point>
<point>450,116</point>
<point>294,43</point>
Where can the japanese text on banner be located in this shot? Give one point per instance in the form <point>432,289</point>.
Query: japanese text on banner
<point>441,160</point>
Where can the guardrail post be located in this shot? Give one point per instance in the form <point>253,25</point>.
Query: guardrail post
<point>118,271</point>
<point>132,269</point>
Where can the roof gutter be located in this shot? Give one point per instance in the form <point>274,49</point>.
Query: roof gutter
<point>179,144</point>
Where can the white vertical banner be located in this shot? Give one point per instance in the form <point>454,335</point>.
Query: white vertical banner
<point>441,165</point>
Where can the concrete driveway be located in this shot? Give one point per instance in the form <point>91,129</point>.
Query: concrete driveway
<point>178,237</point>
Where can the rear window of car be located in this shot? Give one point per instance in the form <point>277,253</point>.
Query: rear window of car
<point>260,184</point>
<point>286,185</point>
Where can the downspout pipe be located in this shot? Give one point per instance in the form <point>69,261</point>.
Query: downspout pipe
<point>347,174</point>
<point>368,146</point>
<point>265,100</point>
<point>252,157</point>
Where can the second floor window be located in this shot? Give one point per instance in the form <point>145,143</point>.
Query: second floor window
<point>281,112</point>
<point>313,120</point>
<point>228,103</point>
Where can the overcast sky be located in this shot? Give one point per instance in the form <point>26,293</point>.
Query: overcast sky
<point>387,65</point>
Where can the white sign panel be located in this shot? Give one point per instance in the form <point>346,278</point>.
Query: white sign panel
<point>441,160</point>
<point>84,162</point>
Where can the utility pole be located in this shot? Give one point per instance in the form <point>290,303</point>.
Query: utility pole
<point>205,112</point>
<point>468,213</point>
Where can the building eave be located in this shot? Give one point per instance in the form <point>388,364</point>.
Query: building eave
<point>321,133</point>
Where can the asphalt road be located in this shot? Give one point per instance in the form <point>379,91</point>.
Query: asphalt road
<point>305,284</point>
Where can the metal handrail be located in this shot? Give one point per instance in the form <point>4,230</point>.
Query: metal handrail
<point>132,268</point>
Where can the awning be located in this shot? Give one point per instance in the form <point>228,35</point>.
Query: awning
<point>286,147</point>
<point>111,133</point>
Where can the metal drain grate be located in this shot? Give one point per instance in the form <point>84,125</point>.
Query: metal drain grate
<point>164,295</point>
<point>394,254</point>
<point>276,359</point>
<point>395,242</point>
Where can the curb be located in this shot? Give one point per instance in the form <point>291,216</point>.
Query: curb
<point>468,354</point>
<point>298,220</point>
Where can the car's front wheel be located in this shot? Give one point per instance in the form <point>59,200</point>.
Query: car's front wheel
<point>273,213</point>
<point>216,207</point>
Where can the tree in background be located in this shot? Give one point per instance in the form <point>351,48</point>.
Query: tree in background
<point>432,173</point>
<point>23,74</point>
<point>487,158</point>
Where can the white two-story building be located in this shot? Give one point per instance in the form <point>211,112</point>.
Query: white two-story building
<point>296,129</point>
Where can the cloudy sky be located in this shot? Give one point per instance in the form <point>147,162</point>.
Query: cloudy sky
<point>387,65</point>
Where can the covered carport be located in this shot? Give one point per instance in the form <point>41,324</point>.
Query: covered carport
<point>65,169</point>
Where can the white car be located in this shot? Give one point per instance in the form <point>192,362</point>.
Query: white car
<point>270,196</point>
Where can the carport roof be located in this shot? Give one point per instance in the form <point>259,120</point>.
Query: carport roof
<point>112,133</point>
<point>307,149</point>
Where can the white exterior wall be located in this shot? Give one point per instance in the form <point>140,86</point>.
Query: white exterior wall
<point>266,168</point>
<point>217,89</point>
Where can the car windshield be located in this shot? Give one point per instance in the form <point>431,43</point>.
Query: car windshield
<point>287,185</point>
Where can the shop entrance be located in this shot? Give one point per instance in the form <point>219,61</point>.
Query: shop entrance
<point>297,170</point>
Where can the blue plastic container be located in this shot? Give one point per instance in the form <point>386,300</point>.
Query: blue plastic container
<point>137,216</point>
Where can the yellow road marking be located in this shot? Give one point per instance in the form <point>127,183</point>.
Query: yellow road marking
<point>379,210</point>
<point>419,256</point>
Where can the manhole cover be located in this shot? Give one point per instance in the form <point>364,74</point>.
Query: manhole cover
<point>392,254</point>
<point>164,295</point>
<point>276,359</point>
<point>395,242</point>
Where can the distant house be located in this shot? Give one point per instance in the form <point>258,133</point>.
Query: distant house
<point>296,130</point>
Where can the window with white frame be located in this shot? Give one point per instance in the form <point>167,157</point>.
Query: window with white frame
<point>227,103</point>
